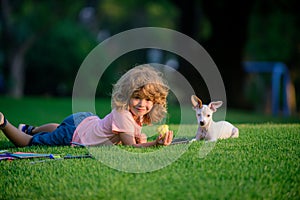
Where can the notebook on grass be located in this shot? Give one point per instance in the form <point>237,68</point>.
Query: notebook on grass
<point>180,141</point>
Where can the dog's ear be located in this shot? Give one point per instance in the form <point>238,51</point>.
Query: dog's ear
<point>196,102</point>
<point>214,105</point>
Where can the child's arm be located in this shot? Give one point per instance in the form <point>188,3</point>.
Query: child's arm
<point>142,138</point>
<point>130,140</point>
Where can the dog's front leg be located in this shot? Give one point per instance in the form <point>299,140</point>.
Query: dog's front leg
<point>198,136</point>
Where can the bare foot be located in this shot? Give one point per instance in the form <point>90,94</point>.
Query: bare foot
<point>1,119</point>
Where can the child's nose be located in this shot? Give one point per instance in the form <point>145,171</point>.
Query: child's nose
<point>142,102</point>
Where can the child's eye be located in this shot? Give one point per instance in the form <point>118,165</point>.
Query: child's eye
<point>135,97</point>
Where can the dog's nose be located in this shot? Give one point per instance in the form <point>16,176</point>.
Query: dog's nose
<point>202,123</point>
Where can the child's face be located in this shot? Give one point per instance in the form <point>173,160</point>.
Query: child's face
<point>140,106</point>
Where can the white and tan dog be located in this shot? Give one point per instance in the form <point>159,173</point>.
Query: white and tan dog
<point>208,129</point>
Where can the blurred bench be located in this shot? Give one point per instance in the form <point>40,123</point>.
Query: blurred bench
<point>278,70</point>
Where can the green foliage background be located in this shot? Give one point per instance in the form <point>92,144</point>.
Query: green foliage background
<point>62,40</point>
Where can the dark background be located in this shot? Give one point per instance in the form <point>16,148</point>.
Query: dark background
<point>43,43</point>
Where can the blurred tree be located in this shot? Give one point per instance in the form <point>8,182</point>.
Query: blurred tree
<point>53,63</point>
<point>36,33</point>
<point>23,22</point>
<point>115,16</point>
<point>120,15</point>
<point>43,37</point>
<point>221,27</point>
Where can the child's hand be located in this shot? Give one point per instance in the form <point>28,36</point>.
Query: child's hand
<point>163,129</point>
<point>165,139</point>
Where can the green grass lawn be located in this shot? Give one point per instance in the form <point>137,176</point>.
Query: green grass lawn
<point>263,163</point>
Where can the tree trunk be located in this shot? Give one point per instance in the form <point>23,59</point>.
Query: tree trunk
<point>14,52</point>
<point>17,73</point>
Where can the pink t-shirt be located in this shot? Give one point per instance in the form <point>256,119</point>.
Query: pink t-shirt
<point>94,131</point>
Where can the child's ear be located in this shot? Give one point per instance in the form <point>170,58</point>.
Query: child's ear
<point>214,105</point>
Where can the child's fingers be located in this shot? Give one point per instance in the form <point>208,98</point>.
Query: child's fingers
<point>168,138</point>
<point>159,139</point>
<point>160,136</point>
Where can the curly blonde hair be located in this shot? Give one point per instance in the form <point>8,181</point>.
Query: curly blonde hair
<point>145,82</point>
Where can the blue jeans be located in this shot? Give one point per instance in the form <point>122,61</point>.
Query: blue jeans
<point>63,134</point>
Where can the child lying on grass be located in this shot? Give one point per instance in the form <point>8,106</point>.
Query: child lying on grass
<point>139,97</point>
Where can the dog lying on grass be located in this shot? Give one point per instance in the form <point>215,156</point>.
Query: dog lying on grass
<point>208,129</point>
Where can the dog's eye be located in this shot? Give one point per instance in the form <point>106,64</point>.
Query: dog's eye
<point>208,115</point>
